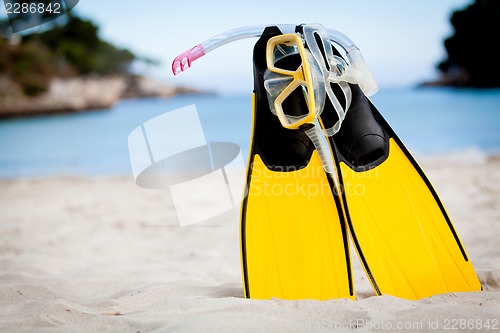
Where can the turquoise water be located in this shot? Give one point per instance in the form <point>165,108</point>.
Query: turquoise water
<point>429,121</point>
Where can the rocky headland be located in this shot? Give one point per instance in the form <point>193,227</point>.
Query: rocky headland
<point>81,93</point>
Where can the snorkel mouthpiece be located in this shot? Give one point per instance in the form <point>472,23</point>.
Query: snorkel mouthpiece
<point>183,61</point>
<point>365,78</point>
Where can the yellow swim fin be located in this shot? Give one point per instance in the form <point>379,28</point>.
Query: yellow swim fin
<point>294,239</point>
<point>400,228</point>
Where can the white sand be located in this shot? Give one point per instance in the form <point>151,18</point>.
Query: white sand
<point>102,255</point>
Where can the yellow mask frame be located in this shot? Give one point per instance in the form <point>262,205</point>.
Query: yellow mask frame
<point>300,77</point>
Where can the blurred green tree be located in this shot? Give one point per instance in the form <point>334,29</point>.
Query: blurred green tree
<point>65,50</point>
<point>473,52</point>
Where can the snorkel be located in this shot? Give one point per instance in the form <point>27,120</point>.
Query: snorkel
<point>318,70</point>
<point>184,60</point>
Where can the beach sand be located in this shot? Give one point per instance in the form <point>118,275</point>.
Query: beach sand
<point>103,255</point>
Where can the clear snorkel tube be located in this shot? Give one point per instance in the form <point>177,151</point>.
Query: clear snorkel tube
<point>183,61</point>
<point>364,78</point>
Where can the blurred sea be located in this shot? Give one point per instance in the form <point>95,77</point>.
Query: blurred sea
<point>429,121</point>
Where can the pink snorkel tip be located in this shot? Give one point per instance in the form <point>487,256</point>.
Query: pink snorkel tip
<point>183,61</point>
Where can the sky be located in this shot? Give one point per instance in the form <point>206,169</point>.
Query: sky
<point>401,41</point>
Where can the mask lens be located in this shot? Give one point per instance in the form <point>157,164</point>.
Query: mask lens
<point>286,57</point>
<point>295,104</point>
<point>274,85</point>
